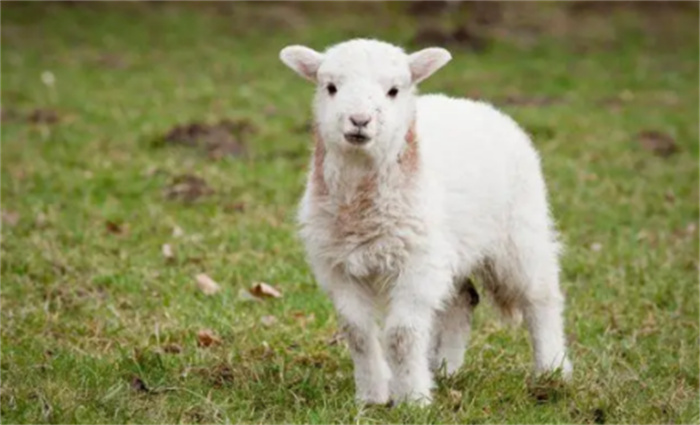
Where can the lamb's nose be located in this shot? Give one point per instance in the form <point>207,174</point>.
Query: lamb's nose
<point>360,120</point>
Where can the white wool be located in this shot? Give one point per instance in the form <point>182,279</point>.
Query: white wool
<point>441,190</point>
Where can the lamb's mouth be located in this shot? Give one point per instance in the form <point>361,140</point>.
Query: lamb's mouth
<point>357,138</point>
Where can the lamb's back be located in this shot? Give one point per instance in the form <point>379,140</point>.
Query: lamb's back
<point>481,160</point>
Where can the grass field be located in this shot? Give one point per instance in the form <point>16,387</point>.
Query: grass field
<point>100,325</point>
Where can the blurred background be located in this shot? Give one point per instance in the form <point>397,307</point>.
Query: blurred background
<point>153,154</point>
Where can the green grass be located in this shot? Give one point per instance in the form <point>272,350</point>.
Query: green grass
<point>86,311</point>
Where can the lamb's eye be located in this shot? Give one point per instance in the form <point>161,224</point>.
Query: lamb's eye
<point>393,92</point>
<point>332,89</point>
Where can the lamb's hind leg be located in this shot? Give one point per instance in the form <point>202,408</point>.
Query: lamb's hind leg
<point>525,279</point>
<point>452,328</point>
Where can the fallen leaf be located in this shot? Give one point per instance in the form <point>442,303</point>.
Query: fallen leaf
<point>10,217</point>
<point>207,285</point>
<point>263,290</point>
<point>268,320</point>
<point>172,348</point>
<point>187,188</point>
<point>302,318</point>
<point>455,396</point>
<point>167,251</point>
<point>207,338</point>
<point>115,228</point>
<point>247,296</point>
<point>658,143</point>
<point>138,385</point>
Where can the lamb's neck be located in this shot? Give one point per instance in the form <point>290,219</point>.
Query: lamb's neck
<point>341,175</point>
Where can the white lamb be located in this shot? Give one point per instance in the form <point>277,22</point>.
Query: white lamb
<point>408,197</point>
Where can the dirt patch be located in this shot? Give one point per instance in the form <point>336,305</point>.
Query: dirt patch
<point>187,188</point>
<point>43,116</point>
<point>427,7</point>
<point>660,144</point>
<point>226,138</point>
<point>651,7</point>
<point>462,37</point>
<point>112,61</point>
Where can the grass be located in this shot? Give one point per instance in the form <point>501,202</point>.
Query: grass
<point>92,311</point>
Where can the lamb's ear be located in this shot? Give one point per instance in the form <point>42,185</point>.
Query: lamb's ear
<point>424,63</point>
<point>302,60</point>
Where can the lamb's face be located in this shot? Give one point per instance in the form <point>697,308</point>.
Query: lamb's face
<point>365,91</point>
<point>364,97</point>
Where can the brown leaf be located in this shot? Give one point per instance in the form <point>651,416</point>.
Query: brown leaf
<point>207,338</point>
<point>455,396</point>
<point>172,348</point>
<point>268,320</point>
<point>11,218</point>
<point>187,188</point>
<point>302,318</point>
<point>660,144</point>
<point>138,385</point>
<point>263,290</point>
<point>207,285</point>
<point>247,296</point>
<point>115,228</point>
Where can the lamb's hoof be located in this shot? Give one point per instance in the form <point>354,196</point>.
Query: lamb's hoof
<point>420,400</point>
<point>564,370</point>
<point>372,397</point>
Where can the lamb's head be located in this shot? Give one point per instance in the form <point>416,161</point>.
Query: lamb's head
<point>365,97</point>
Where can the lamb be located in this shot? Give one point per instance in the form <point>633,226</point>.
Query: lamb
<point>408,197</point>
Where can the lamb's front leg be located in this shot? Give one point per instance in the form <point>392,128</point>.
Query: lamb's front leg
<point>408,328</point>
<point>357,318</point>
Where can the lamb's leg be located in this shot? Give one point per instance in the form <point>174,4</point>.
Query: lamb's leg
<point>452,328</point>
<point>357,317</point>
<point>546,325</point>
<point>407,335</point>
<point>528,279</point>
